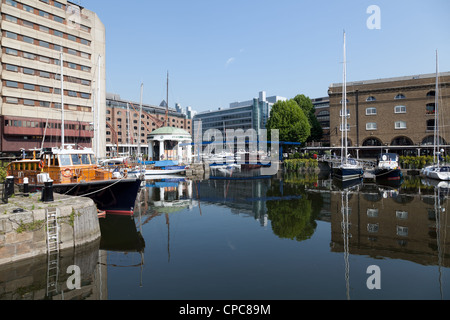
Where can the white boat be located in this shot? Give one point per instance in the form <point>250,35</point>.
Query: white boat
<point>150,172</point>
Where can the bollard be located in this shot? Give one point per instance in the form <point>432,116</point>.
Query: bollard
<point>26,189</point>
<point>9,186</point>
<point>47,191</point>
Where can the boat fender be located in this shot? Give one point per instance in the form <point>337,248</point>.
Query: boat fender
<point>67,172</point>
<point>41,164</point>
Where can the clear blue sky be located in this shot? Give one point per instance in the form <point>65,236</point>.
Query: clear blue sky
<point>219,52</point>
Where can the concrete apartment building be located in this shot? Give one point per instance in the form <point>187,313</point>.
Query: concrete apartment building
<point>34,33</point>
<point>395,114</point>
<point>122,123</point>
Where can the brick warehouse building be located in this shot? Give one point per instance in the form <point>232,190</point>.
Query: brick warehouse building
<point>391,114</point>
<point>34,33</point>
<point>122,124</point>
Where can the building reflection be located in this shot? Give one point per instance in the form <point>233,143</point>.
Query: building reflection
<point>387,223</point>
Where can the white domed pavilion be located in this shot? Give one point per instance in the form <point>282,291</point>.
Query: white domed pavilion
<point>168,143</point>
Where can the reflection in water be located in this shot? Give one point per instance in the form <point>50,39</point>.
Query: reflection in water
<point>121,246</point>
<point>310,238</point>
<point>28,279</point>
<point>401,222</point>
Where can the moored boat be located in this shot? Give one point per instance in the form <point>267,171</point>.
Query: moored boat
<point>165,167</point>
<point>388,167</point>
<point>74,172</point>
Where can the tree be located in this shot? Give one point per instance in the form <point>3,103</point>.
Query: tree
<point>290,120</point>
<point>308,108</point>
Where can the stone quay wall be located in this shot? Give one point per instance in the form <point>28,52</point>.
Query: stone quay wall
<point>23,231</point>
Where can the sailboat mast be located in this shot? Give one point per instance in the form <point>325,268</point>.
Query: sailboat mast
<point>436,112</point>
<point>167,101</point>
<point>97,137</point>
<point>140,122</point>
<point>62,102</point>
<point>344,101</point>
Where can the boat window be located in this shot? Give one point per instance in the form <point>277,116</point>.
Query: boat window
<point>92,158</point>
<point>64,160</point>
<point>76,159</point>
<point>85,158</point>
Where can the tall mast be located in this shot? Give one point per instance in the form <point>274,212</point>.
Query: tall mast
<point>62,102</point>
<point>167,101</point>
<point>128,128</point>
<point>140,122</point>
<point>97,138</point>
<point>344,105</point>
<point>436,111</point>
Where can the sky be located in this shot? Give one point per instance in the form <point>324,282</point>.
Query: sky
<point>218,52</point>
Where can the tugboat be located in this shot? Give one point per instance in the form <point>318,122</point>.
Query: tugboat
<point>388,168</point>
<point>75,172</point>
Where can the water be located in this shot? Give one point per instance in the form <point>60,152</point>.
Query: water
<point>279,238</point>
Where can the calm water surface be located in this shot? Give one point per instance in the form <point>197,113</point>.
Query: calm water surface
<point>289,237</point>
<point>284,238</point>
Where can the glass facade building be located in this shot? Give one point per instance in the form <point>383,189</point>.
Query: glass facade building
<point>251,114</point>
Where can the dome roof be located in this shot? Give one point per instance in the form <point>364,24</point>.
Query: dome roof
<point>169,131</point>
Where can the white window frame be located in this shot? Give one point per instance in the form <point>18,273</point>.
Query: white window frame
<point>370,126</point>
<point>399,125</point>
<point>400,111</point>
<point>369,113</point>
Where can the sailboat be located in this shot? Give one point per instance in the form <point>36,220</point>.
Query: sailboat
<point>437,171</point>
<point>75,172</point>
<point>348,169</point>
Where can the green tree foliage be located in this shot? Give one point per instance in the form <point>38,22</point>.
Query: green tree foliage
<point>290,120</point>
<point>308,108</point>
<point>290,219</point>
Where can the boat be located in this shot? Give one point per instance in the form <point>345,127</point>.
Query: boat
<point>388,167</point>
<point>436,170</point>
<point>347,169</point>
<point>74,172</point>
<point>164,167</point>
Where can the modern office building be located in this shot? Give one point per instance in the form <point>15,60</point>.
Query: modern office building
<point>36,37</point>
<point>251,114</point>
<point>395,114</point>
<point>322,107</point>
<point>122,123</point>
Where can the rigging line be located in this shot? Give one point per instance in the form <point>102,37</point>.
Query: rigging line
<point>94,192</point>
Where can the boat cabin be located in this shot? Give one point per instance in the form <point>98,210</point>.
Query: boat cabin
<point>66,165</point>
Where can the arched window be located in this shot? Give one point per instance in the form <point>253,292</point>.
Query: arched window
<point>431,94</point>
<point>429,140</point>
<point>371,98</point>
<point>372,142</point>
<point>402,141</point>
<point>400,96</point>
<point>349,142</point>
